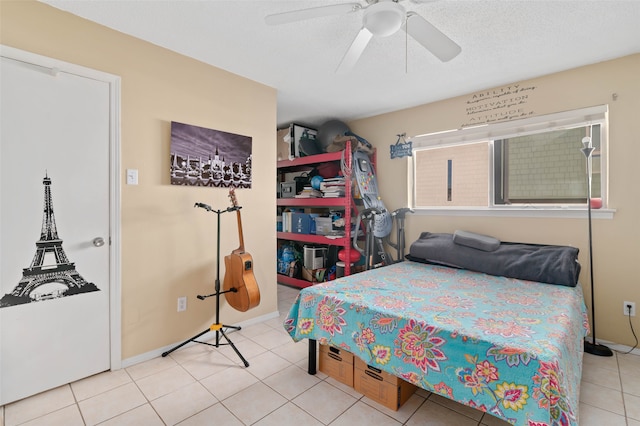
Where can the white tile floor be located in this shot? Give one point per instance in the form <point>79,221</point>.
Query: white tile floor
<point>203,385</point>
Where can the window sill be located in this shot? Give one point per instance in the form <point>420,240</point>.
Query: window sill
<point>559,212</point>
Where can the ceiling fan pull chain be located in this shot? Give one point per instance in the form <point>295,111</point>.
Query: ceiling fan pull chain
<point>406,45</point>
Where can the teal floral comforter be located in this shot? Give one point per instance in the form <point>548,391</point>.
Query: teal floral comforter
<point>509,347</point>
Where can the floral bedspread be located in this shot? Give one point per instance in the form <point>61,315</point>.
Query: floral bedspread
<point>509,347</point>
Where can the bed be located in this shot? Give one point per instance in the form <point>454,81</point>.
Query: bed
<point>507,346</point>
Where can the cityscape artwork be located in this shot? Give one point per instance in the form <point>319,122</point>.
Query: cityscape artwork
<point>207,157</point>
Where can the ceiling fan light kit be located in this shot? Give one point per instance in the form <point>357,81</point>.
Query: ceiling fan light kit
<point>384,18</point>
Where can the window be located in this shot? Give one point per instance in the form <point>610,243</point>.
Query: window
<point>545,168</point>
<point>452,176</point>
<point>531,163</point>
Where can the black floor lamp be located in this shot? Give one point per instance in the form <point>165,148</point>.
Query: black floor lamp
<point>591,347</point>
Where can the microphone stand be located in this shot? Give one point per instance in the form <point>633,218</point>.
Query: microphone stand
<point>217,326</point>
<point>592,347</point>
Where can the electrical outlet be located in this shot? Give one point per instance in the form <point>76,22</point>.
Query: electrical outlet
<point>182,304</point>
<point>625,308</point>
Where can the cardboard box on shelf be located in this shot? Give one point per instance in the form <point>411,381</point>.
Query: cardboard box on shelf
<point>283,143</point>
<point>313,275</point>
<point>336,363</point>
<point>384,388</point>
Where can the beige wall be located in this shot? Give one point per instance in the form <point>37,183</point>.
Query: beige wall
<point>616,241</point>
<point>168,247</point>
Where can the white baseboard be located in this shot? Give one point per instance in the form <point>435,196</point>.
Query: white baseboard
<point>618,347</point>
<point>158,352</point>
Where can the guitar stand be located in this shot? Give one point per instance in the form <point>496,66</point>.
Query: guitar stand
<point>217,326</point>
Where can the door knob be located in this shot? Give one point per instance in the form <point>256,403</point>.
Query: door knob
<point>98,241</point>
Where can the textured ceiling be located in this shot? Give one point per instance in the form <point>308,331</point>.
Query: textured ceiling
<point>502,42</point>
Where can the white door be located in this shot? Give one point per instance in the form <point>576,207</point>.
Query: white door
<point>55,133</point>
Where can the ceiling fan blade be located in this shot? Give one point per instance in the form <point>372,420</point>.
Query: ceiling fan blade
<point>355,51</point>
<point>314,12</point>
<point>431,38</point>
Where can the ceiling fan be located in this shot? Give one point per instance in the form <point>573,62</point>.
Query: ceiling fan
<point>381,18</point>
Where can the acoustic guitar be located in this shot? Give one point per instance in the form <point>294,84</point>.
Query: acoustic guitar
<point>239,272</point>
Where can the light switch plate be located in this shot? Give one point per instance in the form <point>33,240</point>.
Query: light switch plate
<point>132,176</point>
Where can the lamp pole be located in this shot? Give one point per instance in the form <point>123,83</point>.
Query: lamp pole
<point>591,347</point>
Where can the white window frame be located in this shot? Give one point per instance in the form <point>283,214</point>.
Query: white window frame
<point>503,130</point>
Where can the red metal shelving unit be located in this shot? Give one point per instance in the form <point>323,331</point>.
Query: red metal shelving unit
<point>307,163</point>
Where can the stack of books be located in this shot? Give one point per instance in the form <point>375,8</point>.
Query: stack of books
<point>309,192</point>
<point>333,187</point>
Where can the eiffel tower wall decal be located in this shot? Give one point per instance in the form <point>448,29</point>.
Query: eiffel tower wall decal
<point>51,275</point>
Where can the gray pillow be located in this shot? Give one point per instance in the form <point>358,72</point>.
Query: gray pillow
<point>476,241</point>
